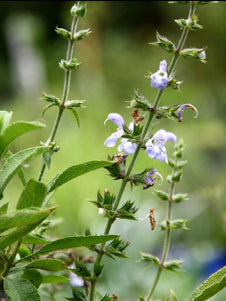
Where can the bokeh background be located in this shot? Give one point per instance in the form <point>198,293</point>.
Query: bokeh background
<point>115,59</point>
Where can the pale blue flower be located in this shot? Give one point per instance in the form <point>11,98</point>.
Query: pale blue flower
<point>111,141</point>
<point>155,147</point>
<point>128,146</point>
<point>160,79</point>
<point>118,120</point>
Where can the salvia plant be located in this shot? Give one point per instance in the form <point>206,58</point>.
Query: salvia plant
<point>30,258</point>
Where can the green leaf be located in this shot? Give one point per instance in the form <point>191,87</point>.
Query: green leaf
<point>3,209</point>
<point>78,295</point>
<point>23,230</point>
<point>15,130</point>
<point>19,289</point>
<point>47,264</point>
<point>5,118</point>
<point>54,279</point>
<point>211,286</point>
<point>34,276</point>
<point>22,217</point>
<point>35,239</point>
<point>76,171</point>
<point>33,195</point>
<point>14,162</point>
<point>73,242</point>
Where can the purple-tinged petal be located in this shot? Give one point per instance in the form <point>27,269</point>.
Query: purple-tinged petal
<point>127,146</point>
<point>150,178</point>
<point>184,106</point>
<point>160,135</point>
<point>116,118</point>
<point>171,137</point>
<point>160,79</point>
<point>112,140</point>
<point>163,66</point>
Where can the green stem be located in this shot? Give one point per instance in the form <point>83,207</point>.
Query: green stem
<point>66,89</point>
<point>166,245</point>
<point>11,259</point>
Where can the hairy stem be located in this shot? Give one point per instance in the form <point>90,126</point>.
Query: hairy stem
<point>66,89</point>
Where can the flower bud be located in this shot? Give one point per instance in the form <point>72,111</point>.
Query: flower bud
<point>196,53</point>
<point>63,32</point>
<point>79,9</point>
<point>69,65</point>
<point>81,34</point>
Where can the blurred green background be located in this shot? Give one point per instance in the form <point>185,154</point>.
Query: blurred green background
<point>115,59</point>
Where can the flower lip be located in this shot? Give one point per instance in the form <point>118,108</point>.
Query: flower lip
<point>184,106</point>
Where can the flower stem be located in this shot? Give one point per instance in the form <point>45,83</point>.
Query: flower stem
<point>132,163</point>
<point>66,89</point>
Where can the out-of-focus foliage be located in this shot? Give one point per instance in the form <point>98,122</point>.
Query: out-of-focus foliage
<point>115,59</point>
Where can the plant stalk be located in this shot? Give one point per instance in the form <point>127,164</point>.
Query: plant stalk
<point>66,89</point>
<point>132,163</point>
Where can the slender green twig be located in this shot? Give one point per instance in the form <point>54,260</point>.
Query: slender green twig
<point>166,245</point>
<point>181,43</point>
<point>66,89</point>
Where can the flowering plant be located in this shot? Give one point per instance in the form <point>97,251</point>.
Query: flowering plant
<point>29,257</point>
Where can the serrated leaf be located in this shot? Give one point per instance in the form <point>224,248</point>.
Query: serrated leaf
<point>15,130</point>
<point>33,195</point>
<point>14,162</point>
<point>47,264</point>
<point>76,171</point>
<point>54,279</point>
<point>23,230</point>
<point>211,286</point>
<point>73,242</point>
<point>19,289</point>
